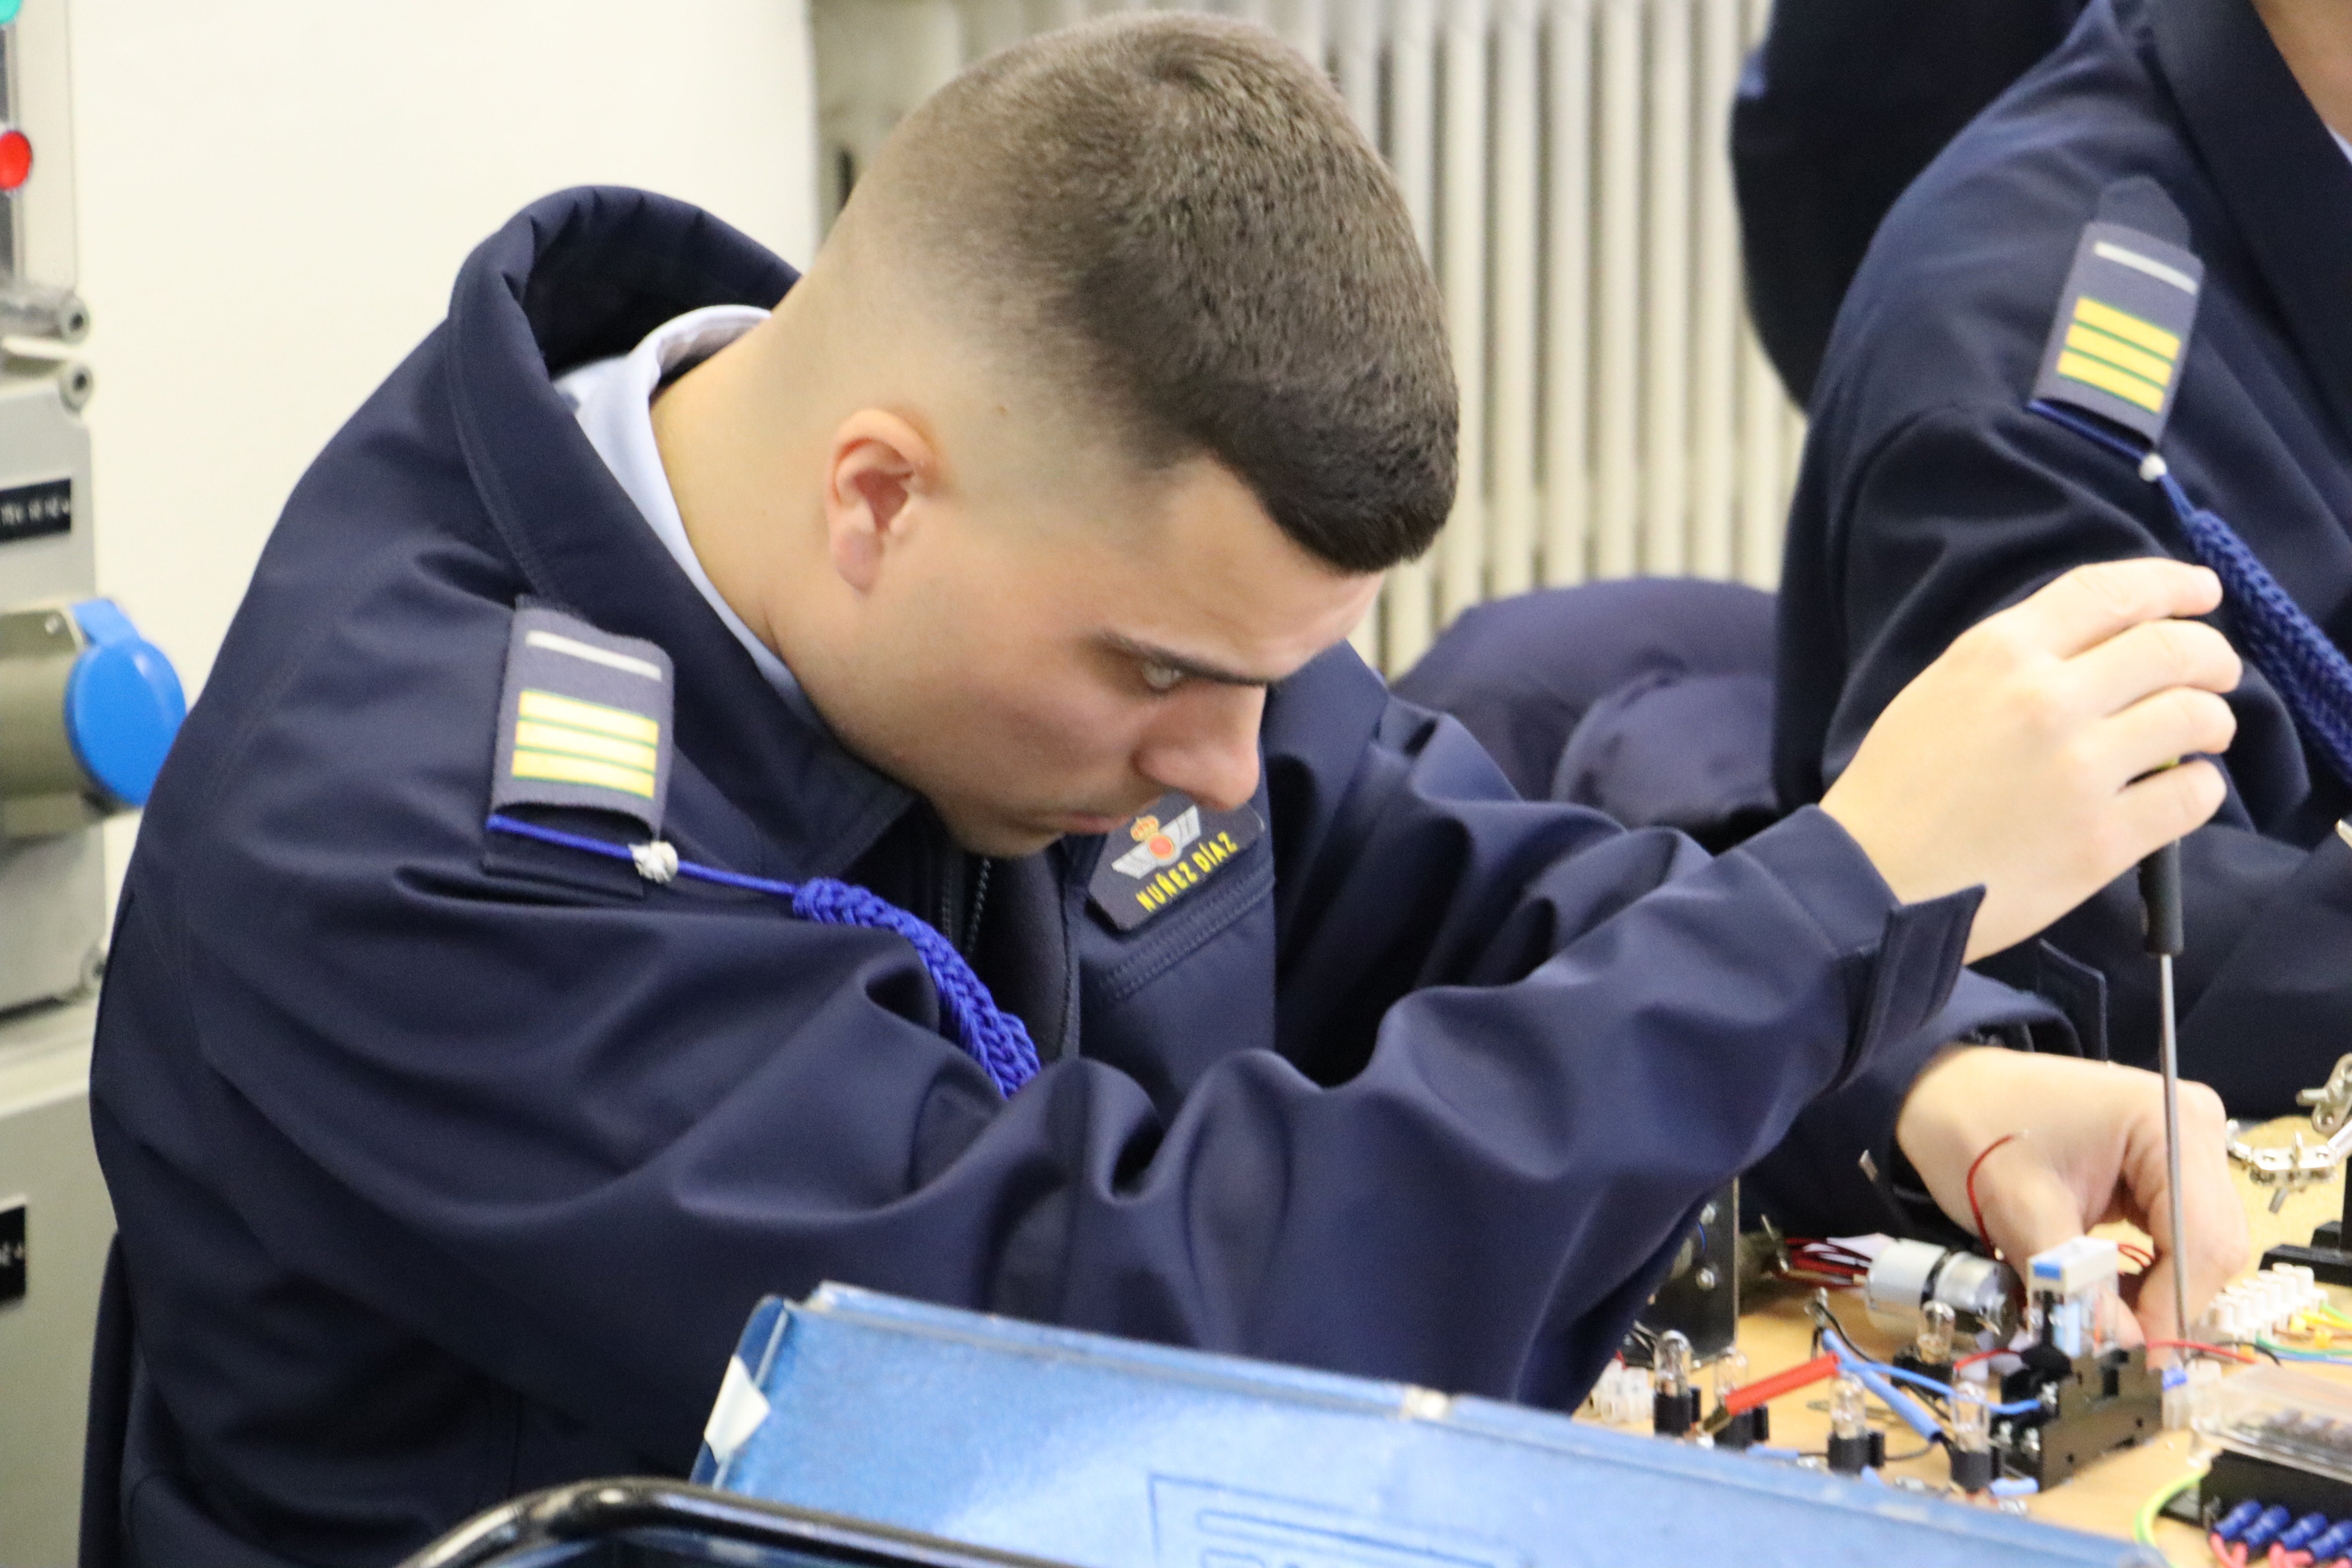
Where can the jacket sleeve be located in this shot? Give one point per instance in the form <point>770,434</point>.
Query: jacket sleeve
<point>1423,880</point>
<point>573,1137</point>
<point>1964,510</point>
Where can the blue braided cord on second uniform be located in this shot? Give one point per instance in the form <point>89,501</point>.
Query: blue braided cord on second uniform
<point>2301,661</point>
<point>994,1038</point>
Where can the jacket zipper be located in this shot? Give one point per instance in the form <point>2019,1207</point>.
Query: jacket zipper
<point>958,916</point>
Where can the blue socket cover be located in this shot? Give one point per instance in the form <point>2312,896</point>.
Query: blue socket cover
<point>123,702</point>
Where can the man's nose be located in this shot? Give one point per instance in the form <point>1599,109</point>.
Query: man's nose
<point>1205,744</point>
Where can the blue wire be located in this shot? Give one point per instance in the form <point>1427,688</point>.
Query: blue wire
<point>1861,1367</point>
<point>2015,1407</point>
<point>1867,1372</point>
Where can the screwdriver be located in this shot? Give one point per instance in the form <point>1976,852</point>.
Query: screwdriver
<point>2159,897</point>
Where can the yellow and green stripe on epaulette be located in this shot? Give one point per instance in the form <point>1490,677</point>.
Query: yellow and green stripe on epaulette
<point>565,740</point>
<point>2120,353</point>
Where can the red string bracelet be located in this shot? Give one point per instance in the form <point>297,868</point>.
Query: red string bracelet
<point>1974,1207</point>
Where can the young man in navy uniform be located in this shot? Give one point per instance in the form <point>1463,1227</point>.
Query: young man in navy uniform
<point>505,996</point>
<point>1979,428</point>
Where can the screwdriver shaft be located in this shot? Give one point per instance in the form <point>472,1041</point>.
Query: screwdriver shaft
<point>2159,892</point>
<point>2171,1039</point>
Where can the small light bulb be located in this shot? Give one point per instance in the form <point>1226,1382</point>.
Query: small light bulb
<point>1972,1418</point>
<point>1730,1371</point>
<point>1674,1362</point>
<point>1846,1408</point>
<point>1937,1322</point>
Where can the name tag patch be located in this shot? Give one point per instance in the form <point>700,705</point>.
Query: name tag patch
<point>1165,855</point>
<point>585,720</point>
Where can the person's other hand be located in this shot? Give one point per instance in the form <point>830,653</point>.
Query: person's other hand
<point>2085,1146</point>
<point>2026,758</point>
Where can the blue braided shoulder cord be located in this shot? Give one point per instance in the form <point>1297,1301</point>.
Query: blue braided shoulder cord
<point>994,1038</point>
<point>2302,662</point>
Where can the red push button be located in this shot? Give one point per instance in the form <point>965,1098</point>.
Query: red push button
<point>15,159</point>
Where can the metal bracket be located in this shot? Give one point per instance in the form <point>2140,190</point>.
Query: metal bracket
<point>2303,1165</point>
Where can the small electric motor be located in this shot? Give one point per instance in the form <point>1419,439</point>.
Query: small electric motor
<point>1907,1276</point>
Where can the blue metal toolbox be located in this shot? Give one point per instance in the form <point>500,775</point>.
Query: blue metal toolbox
<point>1106,1453</point>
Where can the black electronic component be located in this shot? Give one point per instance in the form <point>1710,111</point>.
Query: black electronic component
<point>2090,1406</point>
<point>1675,1414</point>
<point>1972,1470</point>
<point>1851,1455</point>
<point>1854,1445</point>
<point>2238,1479</point>
<point>1745,1429</point>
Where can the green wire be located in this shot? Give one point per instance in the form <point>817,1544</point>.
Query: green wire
<point>2143,1526</point>
<point>2292,1353</point>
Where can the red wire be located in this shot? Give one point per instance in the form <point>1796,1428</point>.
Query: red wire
<point>1796,1377</point>
<point>1980,1355</point>
<point>1824,1252</point>
<point>2200,1346</point>
<point>1974,1207</point>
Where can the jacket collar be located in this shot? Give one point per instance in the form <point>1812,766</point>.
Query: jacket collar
<point>2286,184</point>
<point>579,275</point>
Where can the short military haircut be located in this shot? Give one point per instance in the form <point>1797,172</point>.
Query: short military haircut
<point>1184,213</point>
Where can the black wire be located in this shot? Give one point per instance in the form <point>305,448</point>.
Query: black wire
<point>1919,1453</point>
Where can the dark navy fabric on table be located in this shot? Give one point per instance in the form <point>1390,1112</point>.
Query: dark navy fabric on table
<point>449,1164</point>
<point>1930,496</point>
<point>1840,107</point>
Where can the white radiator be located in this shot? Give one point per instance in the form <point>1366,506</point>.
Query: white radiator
<point>1564,164</point>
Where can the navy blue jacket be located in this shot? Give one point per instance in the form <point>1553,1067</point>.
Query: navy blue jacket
<point>1649,698</point>
<point>1840,108</point>
<point>447,1168</point>
<point>1930,496</point>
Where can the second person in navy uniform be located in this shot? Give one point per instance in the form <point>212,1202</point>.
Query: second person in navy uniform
<point>1934,492</point>
<point>504,998</point>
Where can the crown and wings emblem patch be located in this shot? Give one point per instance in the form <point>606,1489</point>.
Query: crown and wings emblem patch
<point>1156,845</point>
<point>1171,849</point>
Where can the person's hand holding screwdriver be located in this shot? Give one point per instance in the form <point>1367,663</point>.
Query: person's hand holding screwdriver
<point>2035,758</point>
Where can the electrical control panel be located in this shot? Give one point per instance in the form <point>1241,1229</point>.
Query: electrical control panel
<point>88,707</point>
<point>88,710</point>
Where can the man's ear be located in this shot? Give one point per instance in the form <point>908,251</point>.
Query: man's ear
<point>879,464</point>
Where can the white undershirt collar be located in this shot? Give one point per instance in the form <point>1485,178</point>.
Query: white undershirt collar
<point>613,399</point>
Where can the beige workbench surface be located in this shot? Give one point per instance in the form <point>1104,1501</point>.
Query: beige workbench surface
<point>2102,1498</point>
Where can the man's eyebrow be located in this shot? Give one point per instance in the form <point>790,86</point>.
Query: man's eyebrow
<point>1183,664</point>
